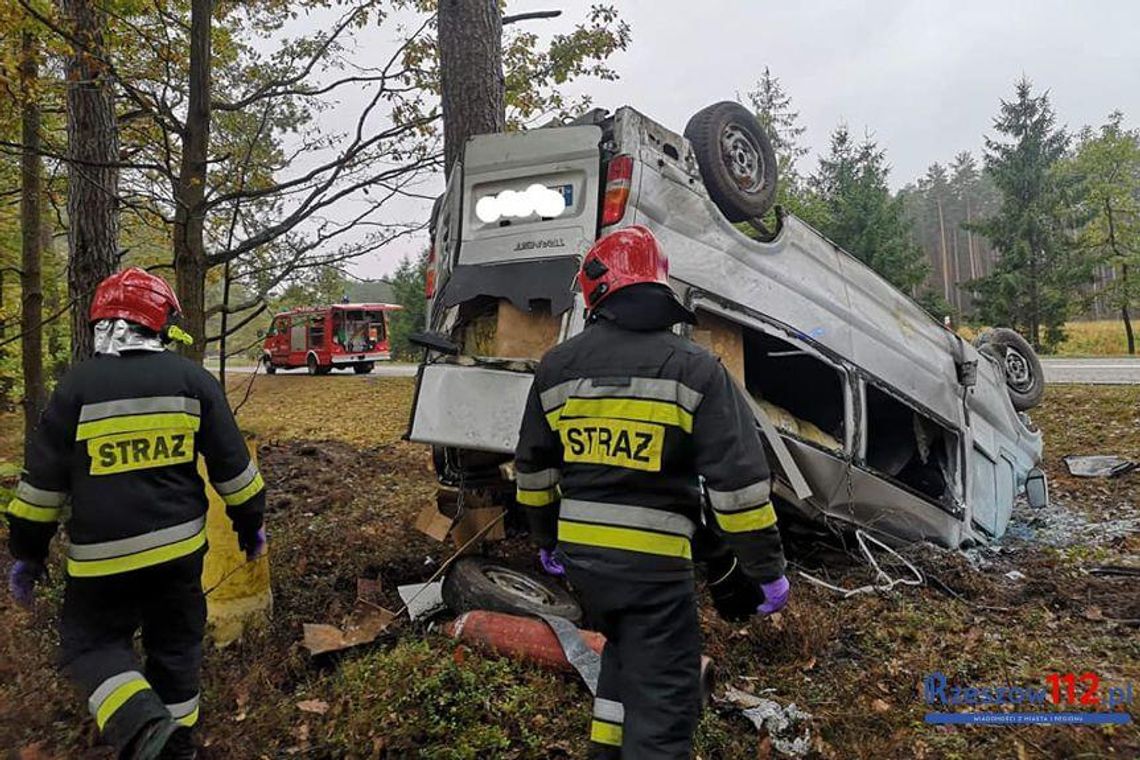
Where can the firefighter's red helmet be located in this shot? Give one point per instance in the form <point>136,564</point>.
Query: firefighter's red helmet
<point>629,256</point>
<point>136,296</point>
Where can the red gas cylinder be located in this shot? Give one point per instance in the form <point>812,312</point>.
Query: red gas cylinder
<point>532,640</point>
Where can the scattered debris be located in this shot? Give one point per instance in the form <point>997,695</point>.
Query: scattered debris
<point>433,523</point>
<point>317,706</point>
<point>367,621</point>
<point>1015,575</point>
<point>883,581</point>
<point>780,722</point>
<point>1059,526</point>
<point>422,599</point>
<point>1099,466</point>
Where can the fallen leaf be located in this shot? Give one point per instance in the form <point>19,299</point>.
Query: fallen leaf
<point>809,664</point>
<point>318,706</point>
<point>880,705</point>
<point>1093,613</point>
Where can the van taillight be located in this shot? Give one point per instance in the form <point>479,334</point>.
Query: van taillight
<point>429,276</point>
<point>617,189</point>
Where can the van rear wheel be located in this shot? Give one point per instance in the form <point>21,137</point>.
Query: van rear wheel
<point>311,364</point>
<point>736,159</point>
<point>1024,377</point>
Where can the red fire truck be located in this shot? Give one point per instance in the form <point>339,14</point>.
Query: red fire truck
<point>326,337</point>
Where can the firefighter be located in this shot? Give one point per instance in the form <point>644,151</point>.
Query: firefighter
<point>622,424</point>
<point>119,442</point>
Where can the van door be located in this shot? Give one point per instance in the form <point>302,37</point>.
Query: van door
<point>529,210</point>
<point>278,340</point>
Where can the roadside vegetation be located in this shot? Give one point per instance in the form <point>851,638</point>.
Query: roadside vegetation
<point>344,491</point>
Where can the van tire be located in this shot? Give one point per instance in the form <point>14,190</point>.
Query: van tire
<point>270,369</point>
<point>736,159</point>
<point>479,583</point>
<point>1024,377</point>
<point>311,365</point>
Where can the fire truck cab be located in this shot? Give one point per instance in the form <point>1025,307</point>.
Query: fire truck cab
<point>326,337</point>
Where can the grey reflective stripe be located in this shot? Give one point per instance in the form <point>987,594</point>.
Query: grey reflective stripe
<point>135,544</point>
<point>627,516</point>
<point>148,405</point>
<point>103,690</point>
<point>755,495</point>
<point>536,481</point>
<point>609,710</point>
<point>182,709</point>
<point>233,485</point>
<point>650,388</point>
<point>38,497</point>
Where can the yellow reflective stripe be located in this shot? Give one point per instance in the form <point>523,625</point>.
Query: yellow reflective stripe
<point>158,555</point>
<point>602,732</point>
<point>25,511</point>
<point>117,699</point>
<point>188,720</point>
<point>630,539</point>
<point>750,519</point>
<point>637,409</point>
<point>135,423</point>
<point>241,497</point>
<point>541,498</point>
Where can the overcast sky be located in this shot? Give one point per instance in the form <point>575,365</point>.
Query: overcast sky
<point>925,77</point>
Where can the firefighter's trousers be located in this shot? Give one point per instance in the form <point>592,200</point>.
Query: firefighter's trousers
<point>648,699</point>
<point>98,624</point>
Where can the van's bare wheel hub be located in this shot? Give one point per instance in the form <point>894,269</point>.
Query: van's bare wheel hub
<point>519,584</point>
<point>1017,370</point>
<point>743,159</point>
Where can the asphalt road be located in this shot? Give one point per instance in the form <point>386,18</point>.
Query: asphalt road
<point>1099,371</point>
<point>381,369</point>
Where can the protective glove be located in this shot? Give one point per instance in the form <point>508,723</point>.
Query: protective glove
<point>253,544</point>
<point>734,595</point>
<point>22,579</point>
<point>775,596</point>
<point>550,564</point>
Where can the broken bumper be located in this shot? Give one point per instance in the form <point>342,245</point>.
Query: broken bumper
<point>475,408</point>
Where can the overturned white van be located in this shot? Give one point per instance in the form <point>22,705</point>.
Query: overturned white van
<point>876,415</point>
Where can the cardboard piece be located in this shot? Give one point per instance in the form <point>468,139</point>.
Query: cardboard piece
<point>723,338</point>
<point>366,623</point>
<point>421,598</point>
<point>474,520</point>
<point>433,523</point>
<point>523,335</point>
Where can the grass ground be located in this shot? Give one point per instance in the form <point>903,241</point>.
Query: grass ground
<point>343,493</point>
<point>1091,338</point>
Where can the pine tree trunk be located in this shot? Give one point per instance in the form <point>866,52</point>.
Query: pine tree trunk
<point>471,72</point>
<point>31,285</point>
<point>92,172</point>
<point>190,260</point>
<point>970,242</point>
<point>945,262</point>
<point>1124,310</point>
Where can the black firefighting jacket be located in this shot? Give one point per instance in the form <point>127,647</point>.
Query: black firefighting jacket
<point>619,430</point>
<point>118,444</point>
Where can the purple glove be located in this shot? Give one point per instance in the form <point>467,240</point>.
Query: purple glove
<point>551,565</point>
<point>775,596</point>
<point>254,546</point>
<point>22,579</point>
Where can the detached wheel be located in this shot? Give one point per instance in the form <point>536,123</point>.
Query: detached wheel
<point>736,159</point>
<point>363,368</point>
<point>1024,378</point>
<point>477,583</point>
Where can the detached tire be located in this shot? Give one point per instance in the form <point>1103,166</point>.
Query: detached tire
<point>477,583</point>
<point>736,159</point>
<point>1024,377</point>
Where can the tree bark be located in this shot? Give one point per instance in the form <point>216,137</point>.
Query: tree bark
<point>93,175</point>
<point>945,262</point>
<point>471,73</point>
<point>31,242</point>
<point>190,261</point>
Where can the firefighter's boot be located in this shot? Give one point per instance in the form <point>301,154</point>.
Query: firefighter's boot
<point>151,740</point>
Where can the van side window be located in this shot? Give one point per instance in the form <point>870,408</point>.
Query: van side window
<point>910,447</point>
